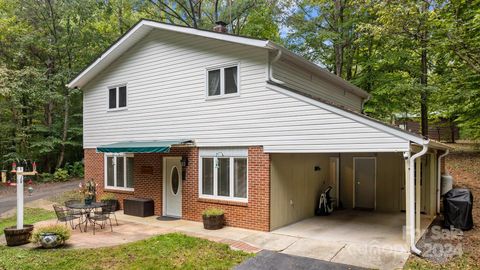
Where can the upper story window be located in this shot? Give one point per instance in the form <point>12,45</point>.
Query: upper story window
<point>222,81</point>
<point>117,97</point>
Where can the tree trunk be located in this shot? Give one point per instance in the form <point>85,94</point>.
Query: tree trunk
<point>338,44</point>
<point>66,112</point>
<point>424,69</point>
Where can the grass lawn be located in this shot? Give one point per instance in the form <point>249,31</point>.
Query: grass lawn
<point>464,262</point>
<point>170,251</point>
<point>31,215</point>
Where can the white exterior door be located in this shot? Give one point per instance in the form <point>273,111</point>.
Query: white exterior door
<point>173,187</point>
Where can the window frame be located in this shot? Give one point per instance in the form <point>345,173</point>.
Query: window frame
<point>117,101</point>
<point>115,156</point>
<point>215,179</point>
<point>222,80</point>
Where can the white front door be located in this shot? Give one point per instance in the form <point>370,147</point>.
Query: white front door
<point>172,173</point>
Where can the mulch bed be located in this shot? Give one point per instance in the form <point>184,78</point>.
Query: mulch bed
<point>465,169</point>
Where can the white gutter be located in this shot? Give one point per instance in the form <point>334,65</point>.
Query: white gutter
<point>270,67</point>
<point>365,101</point>
<point>439,178</point>
<point>411,185</point>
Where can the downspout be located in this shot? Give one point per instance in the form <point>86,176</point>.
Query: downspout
<point>411,203</point>
<point>363,103</point>
<point>270,67</point>
<point>439,180</point>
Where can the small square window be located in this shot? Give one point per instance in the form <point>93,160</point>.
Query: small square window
<point>117,97</point>
<point>222,81</point>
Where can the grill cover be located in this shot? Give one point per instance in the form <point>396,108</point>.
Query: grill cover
<point>458,204</point>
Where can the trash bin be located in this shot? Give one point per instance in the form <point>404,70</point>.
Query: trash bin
<point>4,176</point>
<point>457,205</point>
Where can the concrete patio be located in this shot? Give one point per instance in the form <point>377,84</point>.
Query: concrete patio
<point>377,242</point>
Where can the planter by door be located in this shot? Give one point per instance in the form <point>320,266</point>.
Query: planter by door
<point>17,237</point>
<point>213,222</point>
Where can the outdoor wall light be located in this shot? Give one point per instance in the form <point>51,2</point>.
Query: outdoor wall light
<point>184,161</point>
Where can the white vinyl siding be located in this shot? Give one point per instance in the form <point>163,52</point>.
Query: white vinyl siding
<point>302,80</point>
<point>166,99</point>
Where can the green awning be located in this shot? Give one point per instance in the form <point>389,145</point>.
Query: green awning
<point>140,146</point>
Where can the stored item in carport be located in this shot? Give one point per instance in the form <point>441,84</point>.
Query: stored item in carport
<point>458,205</point>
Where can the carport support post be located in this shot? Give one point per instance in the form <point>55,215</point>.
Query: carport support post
<point>407,198</point>
<point>418,193</point>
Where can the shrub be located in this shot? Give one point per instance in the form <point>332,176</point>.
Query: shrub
<point>209,212</point>
<point>46,177</point>
<point>76,169</point>
<point>60,175</point>
<point>62,231</point>
<point>108,196</point>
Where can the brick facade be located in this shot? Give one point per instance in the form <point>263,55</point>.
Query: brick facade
<point>148,183</point>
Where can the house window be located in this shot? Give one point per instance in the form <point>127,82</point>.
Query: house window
<point>119,171</point>
<point>222,81</point>
<point>117,97</point>
<point>224,178</point>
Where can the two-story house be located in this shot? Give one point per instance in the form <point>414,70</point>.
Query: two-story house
<point>195,119</point>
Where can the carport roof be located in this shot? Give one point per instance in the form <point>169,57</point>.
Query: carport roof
<point>362,118</point>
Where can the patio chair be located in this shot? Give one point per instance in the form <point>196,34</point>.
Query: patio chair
<point>113,209</point>
<point>65,215</point>
<point>75,212</point>
<point>101,217</point>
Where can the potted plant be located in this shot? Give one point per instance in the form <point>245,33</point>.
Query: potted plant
<point>51,236</point>
<point>89,191</point>
<point>109,198</point>
<point>213,219</point>
<point>18,237</point>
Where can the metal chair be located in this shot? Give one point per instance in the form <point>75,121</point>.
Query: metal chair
<point>101,217</point>
<point>113,209</point>
<point>65,215</point>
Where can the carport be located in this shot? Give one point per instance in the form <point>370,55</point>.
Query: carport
<point>384,199</point>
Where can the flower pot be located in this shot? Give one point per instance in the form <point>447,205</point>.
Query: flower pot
<point>50,240</point>
<point>213,222</point>
<point>88,201</point>
<point>17,237</point>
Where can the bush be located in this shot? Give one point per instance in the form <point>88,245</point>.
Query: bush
<point>45,177</point>
<point>76,169</point>
<point>62,231</point>
<point>108,196</point>
<point>209,212</point>
<point>60,175</point>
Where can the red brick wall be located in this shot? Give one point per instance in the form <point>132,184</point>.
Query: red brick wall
<point>252,215</point>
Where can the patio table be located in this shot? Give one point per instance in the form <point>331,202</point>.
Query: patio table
<point>86,210</point>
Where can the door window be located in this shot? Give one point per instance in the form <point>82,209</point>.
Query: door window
<point>175,180</point>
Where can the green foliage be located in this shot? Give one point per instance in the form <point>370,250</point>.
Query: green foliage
<point>108,196</point>
<point>60,175</point>
<point>31,216</point>
<point>170,251</point>
<point>61,231</point>
<point>45,177</point>
<point>76,169</point>
<point>213,212</point>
